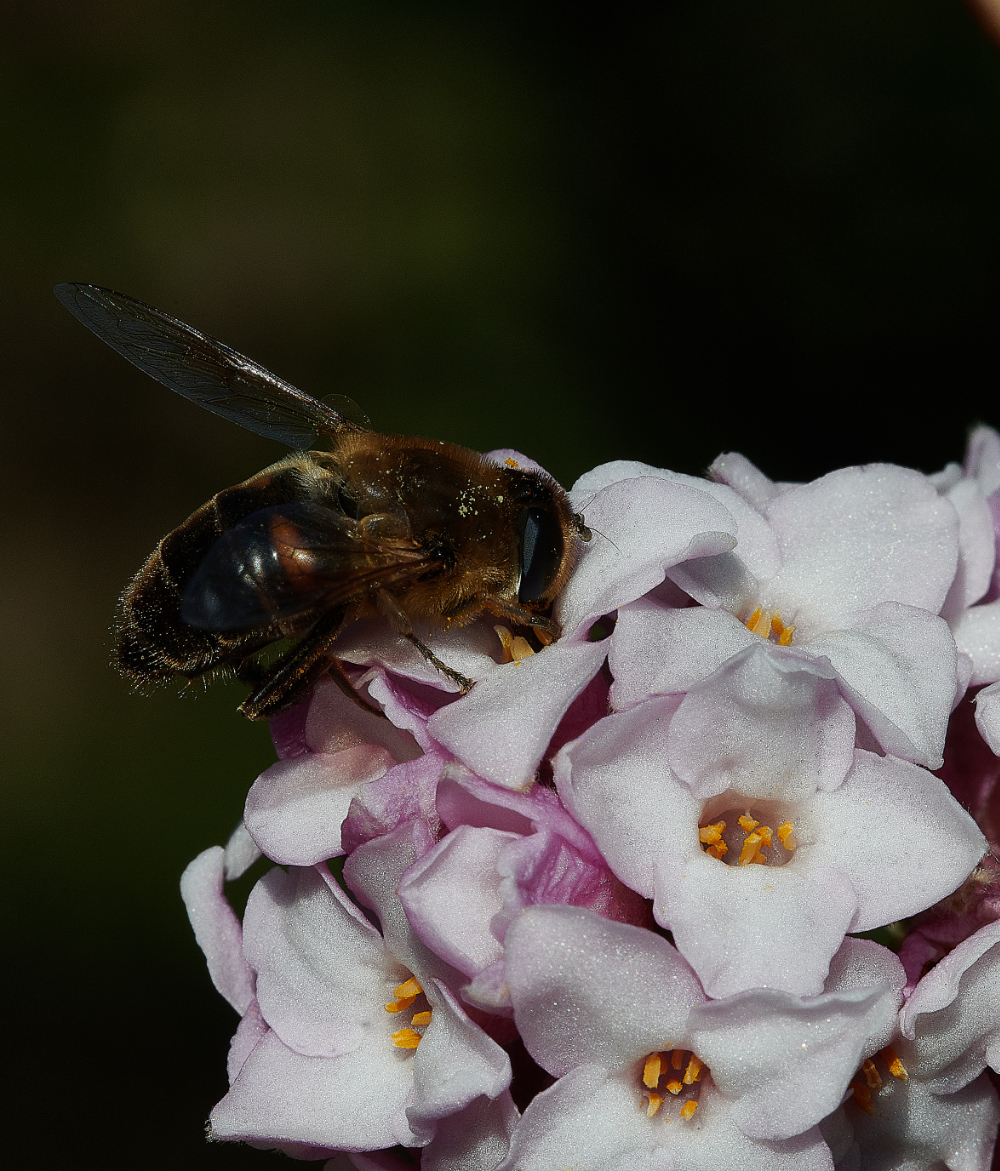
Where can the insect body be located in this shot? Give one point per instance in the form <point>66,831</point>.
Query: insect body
<point>380,525</point>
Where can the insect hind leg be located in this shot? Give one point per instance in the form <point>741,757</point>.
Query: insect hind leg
<point>288,680</point>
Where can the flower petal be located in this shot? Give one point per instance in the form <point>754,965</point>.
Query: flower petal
<point>768,723</point>
<point>323,976</point>
<point>899,835</point>
<point>475,1139</point>
<point>352,1102</point>
<point>295,809</point>
<point>585,989</point>
<point>451,895</point>
<point>746,927</point>
<point>859,537</point>
<point>216,927</point>
<point>641,527</point>
<point>616,783</point>
<point>455,1063</point>
<point>953,1015</point>
<point>783,1061</point>
<point>977,634</point>
<point>503,726</point>
<point>898,670</point>
<point>656,650</point>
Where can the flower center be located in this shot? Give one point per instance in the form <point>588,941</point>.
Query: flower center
<point>868,1080</point>
<point>739,839</point>
<point>671,1071</point>
<point>768,624</point>
<point>405,994</point>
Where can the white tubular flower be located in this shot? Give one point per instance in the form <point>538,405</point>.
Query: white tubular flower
<point>652,1073</point>
<point>759,884</point>
<point>850,570</point>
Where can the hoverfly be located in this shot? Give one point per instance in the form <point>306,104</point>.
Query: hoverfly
<point>379,525</point>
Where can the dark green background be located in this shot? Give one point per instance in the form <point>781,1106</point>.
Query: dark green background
<point>647,231</point>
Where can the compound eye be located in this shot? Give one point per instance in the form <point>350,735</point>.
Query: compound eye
<point>541,555</point>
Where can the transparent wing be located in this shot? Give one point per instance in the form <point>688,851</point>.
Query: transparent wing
<point>202,369</point>
<point>286,560</point>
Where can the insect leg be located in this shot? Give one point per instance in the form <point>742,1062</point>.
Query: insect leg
<point>465,685</point>
<point>297,671</point>
<point>400,622</point>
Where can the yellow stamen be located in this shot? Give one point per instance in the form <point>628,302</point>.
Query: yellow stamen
<point>693,1071</point>
<point>514,648</point>
<point>651,1071</point>
<point>758,859</point>
<point>718,851</point>
<point>688,1109</point>
<point>871,1075</point>
<point>747,823</point>
<point>786,835</point>
<point>786,636</point>
<point>749,850</point>
<point>863,1097</point>
<point>406,1039</point>
<point>896,1067</point>
<point>710,834</point>
<point>655,1102</point>
<point>776,624</point>
<point>677,1058</point>
<point>405,993</point>
<point>421,1018</point>
<point>520,648</point>
<point>760,623</point>
<point>765,833</point>
<point>674,1086</point>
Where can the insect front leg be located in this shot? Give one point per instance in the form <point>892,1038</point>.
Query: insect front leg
<point>398,619</point>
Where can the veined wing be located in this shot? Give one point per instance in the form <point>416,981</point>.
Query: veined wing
<point>289,559</point>
<point>202,369</point>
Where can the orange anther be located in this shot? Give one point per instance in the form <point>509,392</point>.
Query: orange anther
<point>786,636</point>
<point>406,1039</point>
<point>677,1058</point>
<point>409,987</point>
<point>749,850</point>
<point>786,835</point>
<point>776,624</point>
<point>747,823</point>
<point>760,623</point>
<point>871,1075</point>
<point>688,1109</point>
<point>717,851</point>
<point>655,1102</point>
<point>651,1071</point>
<point>710,834</point>
<point>896,1067</point>
<point>693,1071</point>
<point>421,1018</point>
<point>863,1097</point>
<point>674,1086</point>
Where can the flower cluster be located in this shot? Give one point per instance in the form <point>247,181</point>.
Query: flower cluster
<point>609,908</point>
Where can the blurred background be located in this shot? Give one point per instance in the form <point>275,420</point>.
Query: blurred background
<point>647,231</point>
